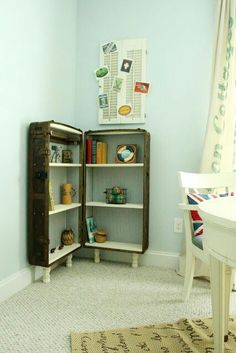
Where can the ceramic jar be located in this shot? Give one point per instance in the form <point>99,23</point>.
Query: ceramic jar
<point>67,237</point>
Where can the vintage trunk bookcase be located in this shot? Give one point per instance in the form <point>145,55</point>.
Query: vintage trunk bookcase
<point>126,224</point>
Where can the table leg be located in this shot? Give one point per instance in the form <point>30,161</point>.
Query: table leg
<point>217,269</point>
<point>228,287</point>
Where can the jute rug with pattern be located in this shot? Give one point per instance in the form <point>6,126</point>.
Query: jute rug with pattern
<point>187,336</point>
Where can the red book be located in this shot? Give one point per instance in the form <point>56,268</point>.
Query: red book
<point>89,142</point>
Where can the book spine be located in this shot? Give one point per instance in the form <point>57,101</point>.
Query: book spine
<point>51,197</point>
<point>99,152</point>
<point>94,152</point>
<point>89,142</point>
<point>104,152</point>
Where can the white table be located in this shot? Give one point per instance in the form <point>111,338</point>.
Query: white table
<point>219,218</point>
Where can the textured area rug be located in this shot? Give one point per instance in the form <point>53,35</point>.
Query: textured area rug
<point>187,336</point>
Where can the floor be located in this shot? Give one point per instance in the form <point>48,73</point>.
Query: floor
<point>92,296</point>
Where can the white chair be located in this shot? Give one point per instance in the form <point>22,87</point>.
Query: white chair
<point>199,183</point>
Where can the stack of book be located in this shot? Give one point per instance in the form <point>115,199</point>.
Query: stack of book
<point>96,151</point>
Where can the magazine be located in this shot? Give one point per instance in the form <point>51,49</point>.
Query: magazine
<point>91,229</point>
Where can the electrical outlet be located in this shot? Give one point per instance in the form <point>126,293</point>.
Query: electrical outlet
<point>178,225</point>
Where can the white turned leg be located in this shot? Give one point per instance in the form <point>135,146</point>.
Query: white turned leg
<point>46,274</point>
<point>135,260</point>
<point>69,261</point>
<point>96,256</point>
<point>217,269</point>
<point>188,277</point>
<point>228,287</point>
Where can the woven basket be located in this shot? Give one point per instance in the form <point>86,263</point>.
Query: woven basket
<point>100,236</point>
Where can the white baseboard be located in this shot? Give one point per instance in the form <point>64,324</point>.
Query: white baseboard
<point>160,259</point>
<point>18,281</point>
<point>149,258</point>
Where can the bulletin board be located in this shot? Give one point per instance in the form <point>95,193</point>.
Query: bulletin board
<point>122,84</point>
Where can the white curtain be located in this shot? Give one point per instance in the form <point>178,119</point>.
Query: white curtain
<point>219,153</point>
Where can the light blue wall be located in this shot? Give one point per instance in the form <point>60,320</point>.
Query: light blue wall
<point>37,82</point>
<point>180,41</point>
<point>42,42</point>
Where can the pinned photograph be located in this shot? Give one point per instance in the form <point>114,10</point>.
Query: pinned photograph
<point>141,87</point>
<point>126,65</point>
<point>117,84</point>
<point>103,101</point>
<point>125,110</point>
<point>109,48</point>
<point>101,72</point>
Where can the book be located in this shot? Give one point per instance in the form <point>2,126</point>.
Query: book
<point>51,197</point>
<point>99,152</point>
<point>104,152</point>
<point>89,142</point>
<point>91,229</point>
<point>101,157</point>
<point>94,151</point>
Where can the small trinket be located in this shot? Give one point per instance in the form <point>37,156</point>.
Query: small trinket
<point>67,156</point>
<point>116,195</point>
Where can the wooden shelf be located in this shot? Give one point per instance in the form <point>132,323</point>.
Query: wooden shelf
<point>104,204</point>
<point>45,181</point>
<point>62,127</point>
<point>115,165</point>
<point>68,165</point>
<point>62,208</point>
<point>58,254</point>
<point>115,132</point>
<point>113,245</point>
<point>128,228</point>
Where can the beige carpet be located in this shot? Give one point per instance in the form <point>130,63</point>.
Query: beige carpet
<point>187,336</point>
